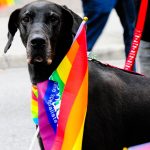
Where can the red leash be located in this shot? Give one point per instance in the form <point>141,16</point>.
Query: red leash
<point>137,36</point>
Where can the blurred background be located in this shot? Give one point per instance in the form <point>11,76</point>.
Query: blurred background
<point>16,126</point>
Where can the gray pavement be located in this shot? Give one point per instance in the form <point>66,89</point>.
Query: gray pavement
<point>109,46</point>
<point>16,127</point>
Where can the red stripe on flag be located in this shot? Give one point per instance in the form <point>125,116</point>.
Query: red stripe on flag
<point>34,96</point>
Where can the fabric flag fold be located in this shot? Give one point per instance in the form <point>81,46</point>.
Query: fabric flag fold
<point>62,99</point>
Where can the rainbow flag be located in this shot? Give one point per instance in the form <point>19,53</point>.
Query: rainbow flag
<point>4,3</point>
<point>62,100</point>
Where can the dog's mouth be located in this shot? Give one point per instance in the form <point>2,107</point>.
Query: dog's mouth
<point>39,55</point>
<point>39,59</point>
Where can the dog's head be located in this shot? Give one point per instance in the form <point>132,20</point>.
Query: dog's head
<point>46,29</point>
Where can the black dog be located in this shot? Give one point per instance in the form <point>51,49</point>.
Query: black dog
<point>118,112</point>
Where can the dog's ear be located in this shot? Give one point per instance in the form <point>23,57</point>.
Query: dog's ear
<point>76,20</point>
<point>12,28</point>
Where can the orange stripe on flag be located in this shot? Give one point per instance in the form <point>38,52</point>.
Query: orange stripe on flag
<point>71,54</point>
<point>34,102</point>
<point>78,142</point>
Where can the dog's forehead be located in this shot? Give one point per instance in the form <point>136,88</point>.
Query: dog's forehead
<point>42,7</point>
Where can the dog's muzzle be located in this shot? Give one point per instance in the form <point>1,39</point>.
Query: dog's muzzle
<point>38,49</point>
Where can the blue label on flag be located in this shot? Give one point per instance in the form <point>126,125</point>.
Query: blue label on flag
<point>52,103</point>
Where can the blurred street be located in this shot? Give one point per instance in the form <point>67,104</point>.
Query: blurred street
<point>16,124</point>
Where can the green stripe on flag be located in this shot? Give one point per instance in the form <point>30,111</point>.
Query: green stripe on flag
<point>55,77</point>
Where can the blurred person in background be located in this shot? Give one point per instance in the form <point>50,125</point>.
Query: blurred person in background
<point>98,12</point>
<point>144,47</point>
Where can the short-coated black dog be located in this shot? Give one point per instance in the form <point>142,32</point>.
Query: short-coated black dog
<point>118,112</point>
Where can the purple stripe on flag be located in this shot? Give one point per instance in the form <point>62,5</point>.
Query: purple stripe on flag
<point>46,131</point>
<point>145,146</point>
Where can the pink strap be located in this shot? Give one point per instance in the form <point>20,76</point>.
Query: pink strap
<point>46,131</point>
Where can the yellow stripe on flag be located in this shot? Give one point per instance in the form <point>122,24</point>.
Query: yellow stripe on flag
<point>77,114</point>
<point>64,69</point>
<point>34,108</point>
<point>35,103</point>
<point>10,2</point>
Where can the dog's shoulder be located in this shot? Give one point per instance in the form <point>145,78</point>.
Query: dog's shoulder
<point>104,76</point>
<point>113,75</point>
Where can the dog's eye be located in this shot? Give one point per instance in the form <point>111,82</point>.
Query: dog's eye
<point>53,18</point>
<point>26,19</point>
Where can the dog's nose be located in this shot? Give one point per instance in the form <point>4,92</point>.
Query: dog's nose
<point>38,42</point>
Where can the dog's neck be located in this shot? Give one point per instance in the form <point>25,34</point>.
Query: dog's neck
<point>39,72</point>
